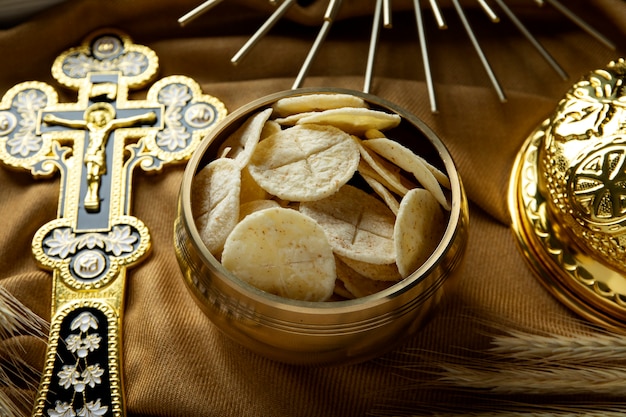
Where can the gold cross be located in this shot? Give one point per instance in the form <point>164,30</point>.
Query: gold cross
<point>95,144</point>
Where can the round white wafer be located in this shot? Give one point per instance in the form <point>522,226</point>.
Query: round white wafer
<point>283,252</point>
<point>253,206</point>
<point>354,120</point>
<point>219,185</point>
<point>250,190</point>
<point>356,284</point>
<point>341,290</point>
<point>316,102</point>
<point>269,128</point>
<point>304,162</point>
<point>418,230</point>
<point>375,143</point>
<point>243,141</point>
<point>374,134</point>
<point>377,272</point>
<point>293,119</point>
<point>404,158</point>
<point>375,166</point>
<point>383,192</point>
<point>358,225</point>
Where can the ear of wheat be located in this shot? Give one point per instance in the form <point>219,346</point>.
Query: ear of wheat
<point>524,346</point>
<point>579,371</point>
<point>17,378</point>
<point>521,378</point>
<point>572,412</point>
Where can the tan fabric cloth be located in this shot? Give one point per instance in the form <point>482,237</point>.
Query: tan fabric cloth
<point>175,362</point>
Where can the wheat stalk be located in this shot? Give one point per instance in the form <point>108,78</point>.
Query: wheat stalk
<point>522,362</point>
<point>16,320</point>
<point>8,405</point>
<point>583,348</point>
<point>580,371</point>
<point>502,408</point>
<point>537,411</point>
<point>507,413</point>
<point>524,379</point>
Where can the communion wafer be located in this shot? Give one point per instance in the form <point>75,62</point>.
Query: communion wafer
<point>358,225</point>
<point>374,144</point>
<point>242,142</point>
<point>282,252</point>
<point>218,209</point>
<point>341,290</point>
<point>269,128</point>
<point>404,158</point>
<point>304,162</point>
<point>373,134</point>
<point>418,229</point>
<point>250,190</point>
<point>356,284</point>
<point>374,166</point>
<point>383,192</point>
<point>366,170</point>
<point>354,120</point>
<point>378,272</point>
<point>293,119</point>
<point>253,206</point>
<point>315,102</point>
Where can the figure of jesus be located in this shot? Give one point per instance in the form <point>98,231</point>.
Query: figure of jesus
<point>99,120</point>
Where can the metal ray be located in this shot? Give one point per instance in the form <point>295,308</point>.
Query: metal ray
<point>371,53</point>
<point>262,31</point>
<point>198,11</point>
<point>421,33</point>
<point>479,51</point>
<point>329,17</point>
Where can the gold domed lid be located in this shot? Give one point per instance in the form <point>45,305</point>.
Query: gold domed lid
<point>568,198</point>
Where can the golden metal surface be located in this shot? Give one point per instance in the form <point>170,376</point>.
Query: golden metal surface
<point>96,144</point>
<point>567,198</point>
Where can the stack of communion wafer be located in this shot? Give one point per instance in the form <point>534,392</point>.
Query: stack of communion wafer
<point>309,200</point>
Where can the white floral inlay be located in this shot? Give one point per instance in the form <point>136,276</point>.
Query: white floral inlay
<point>64,242</point>
<point>129,64</point>
<point>80,375</point>
<point>25,140</point>
<point>174,135</point>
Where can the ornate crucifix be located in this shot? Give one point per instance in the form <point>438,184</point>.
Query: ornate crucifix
<point>95,144</point>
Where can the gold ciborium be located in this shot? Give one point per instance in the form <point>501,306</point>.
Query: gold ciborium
<point>568,197</point>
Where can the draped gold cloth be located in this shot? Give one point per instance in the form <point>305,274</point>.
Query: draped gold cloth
<point>175,362</point>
